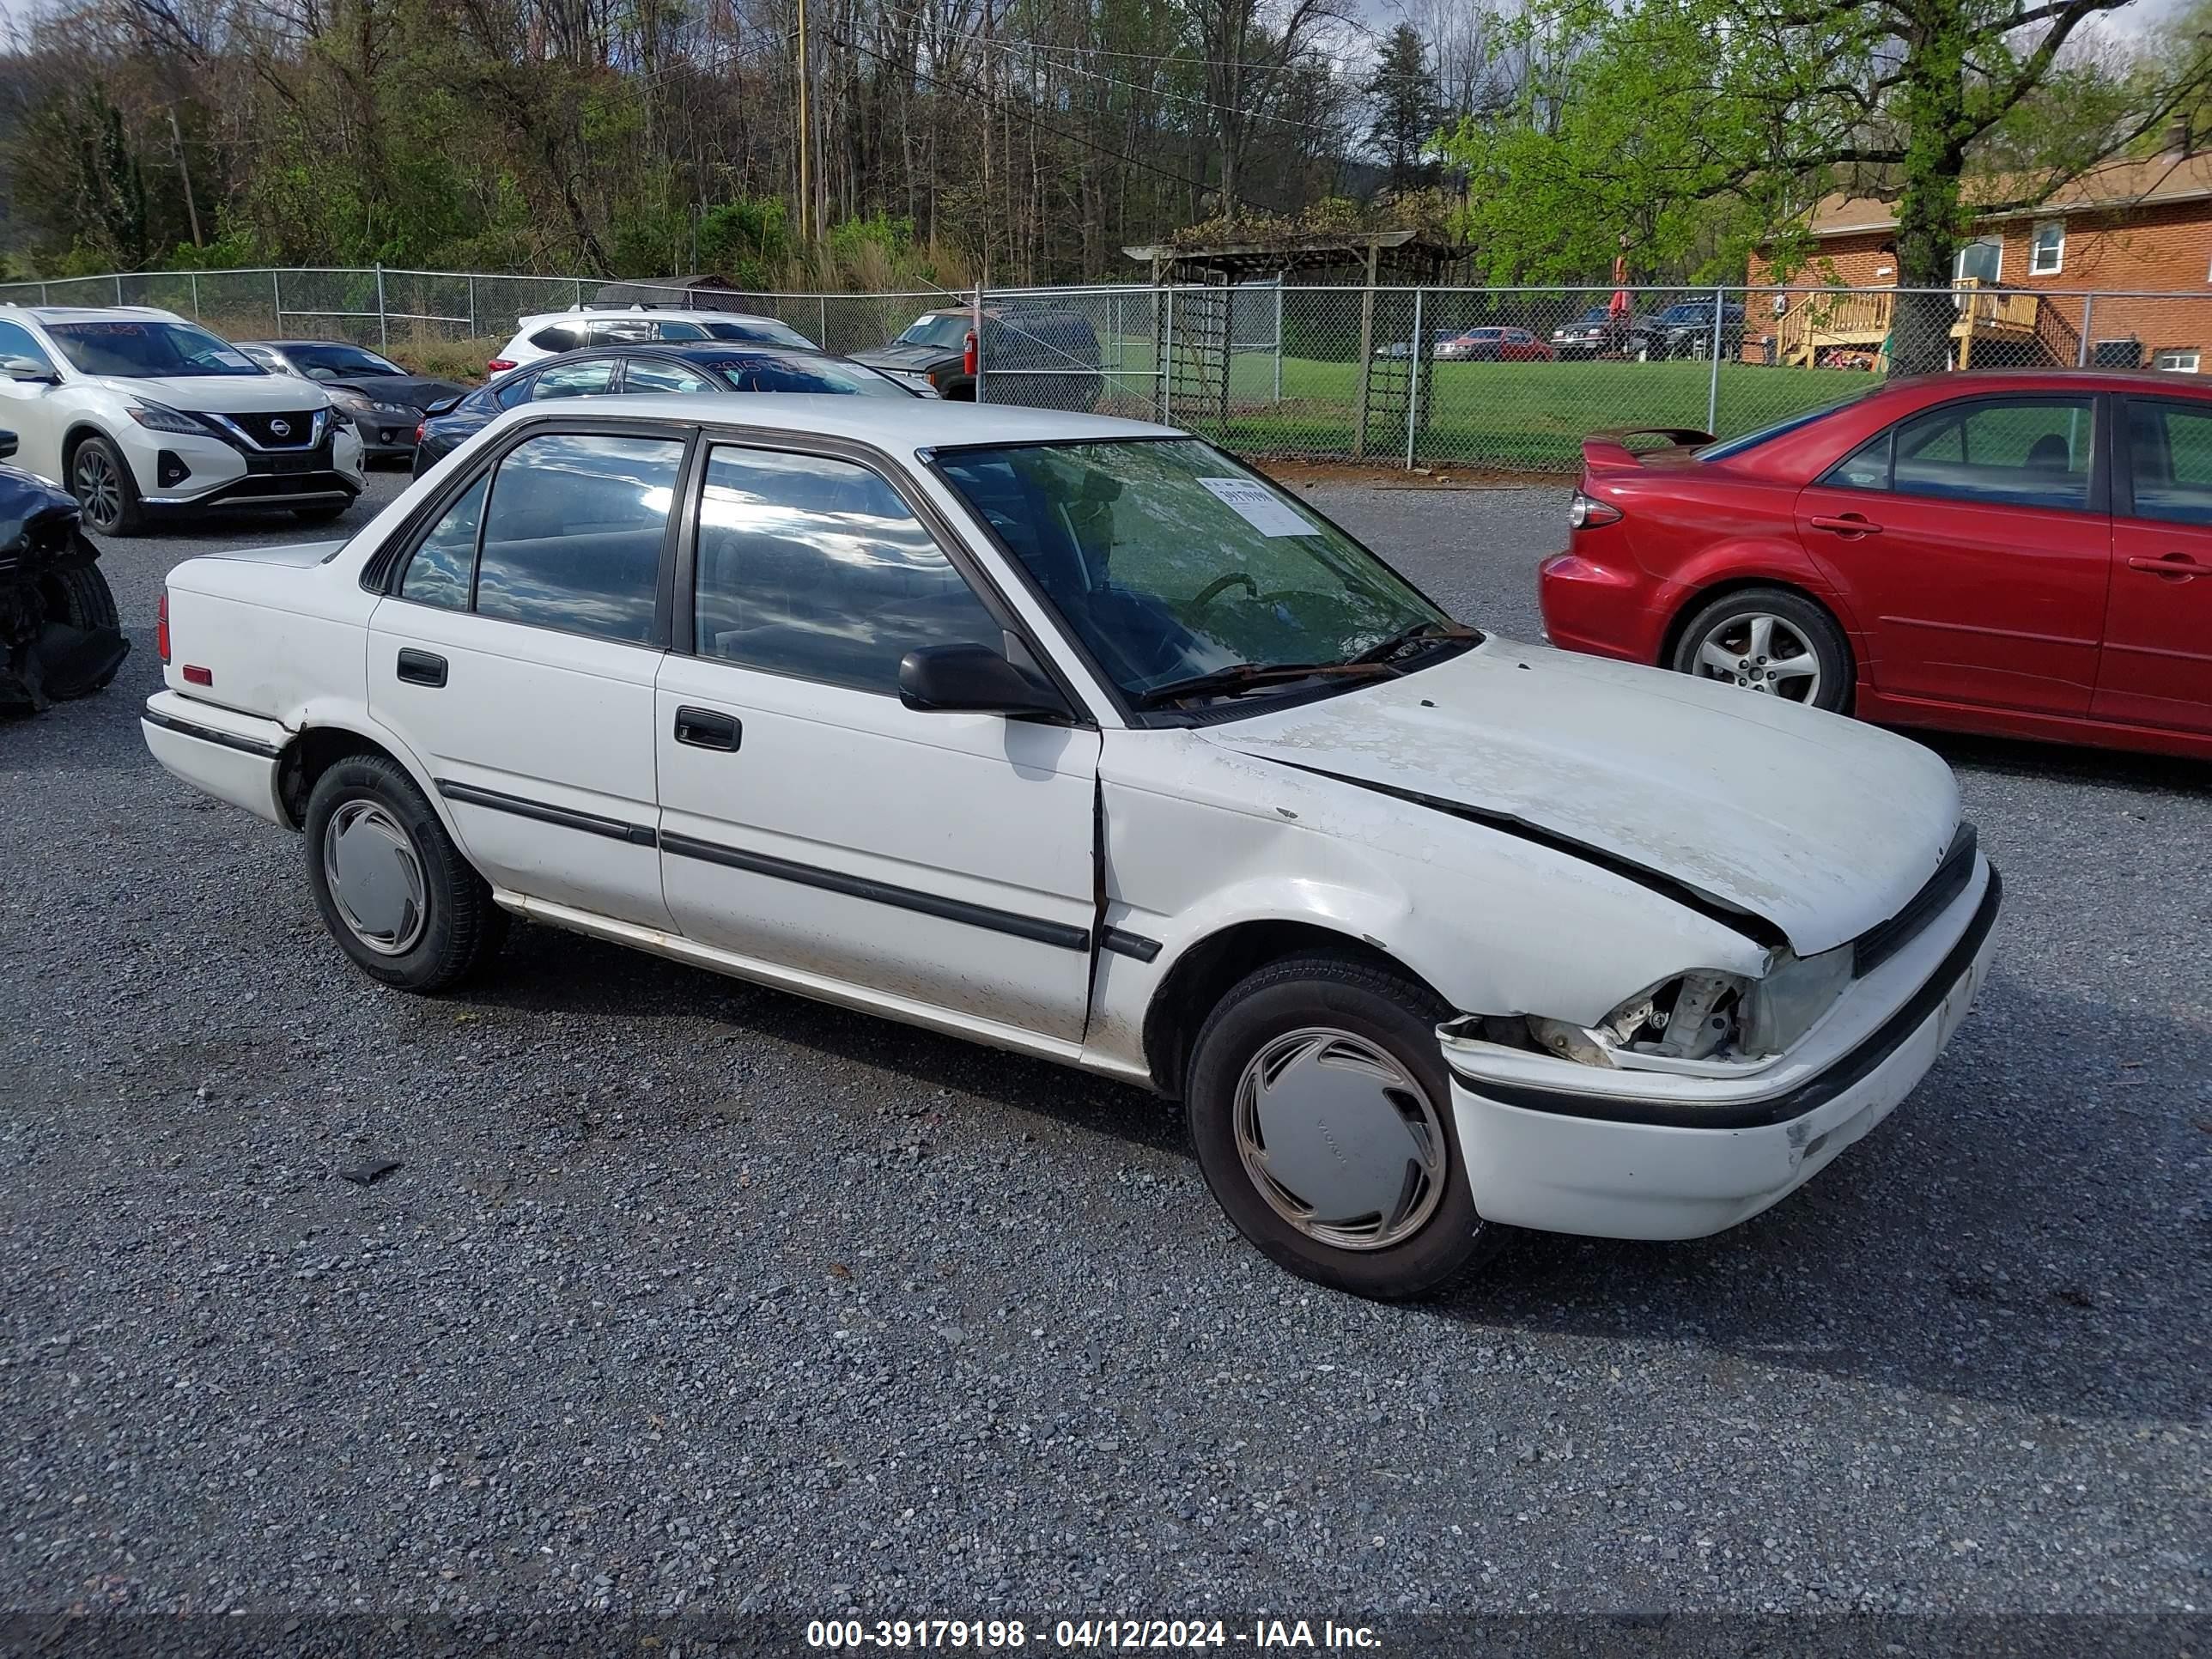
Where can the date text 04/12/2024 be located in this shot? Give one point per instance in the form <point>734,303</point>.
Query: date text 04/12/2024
<point>989,1635</point>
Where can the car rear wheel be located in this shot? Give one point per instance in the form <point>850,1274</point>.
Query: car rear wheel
<point>1320,1111</point>
<point>107,495</point>
<point>392,888</point>
<point>1772,641</point>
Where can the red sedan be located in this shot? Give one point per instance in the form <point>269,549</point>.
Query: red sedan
<point>2024,553</point>
<point>1496,345</point>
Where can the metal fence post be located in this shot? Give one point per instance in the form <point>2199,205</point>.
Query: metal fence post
<point>276,299</point>
<point>383,317</point>
<point>1713,386</point>
<point>43,294</point>
<point>821,303</point>
<point>2082,351</point>
<point>1279,334</point>
<point>472,307</point>
<point>1413,371</point>
<point>975,326</point>
<point>1167,358</point>
<point>118,290</point>
<point>196,297</point>
<point>580,293</point>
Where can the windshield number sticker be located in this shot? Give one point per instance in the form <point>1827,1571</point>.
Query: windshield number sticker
<point>1254,504</point>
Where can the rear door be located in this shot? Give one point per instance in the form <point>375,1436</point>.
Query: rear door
<point>515,654</point>
<point>813,824</point>
<point>2157,665</point>
<point>1974,539</point>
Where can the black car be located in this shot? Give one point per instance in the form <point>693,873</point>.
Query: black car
<point>1685,329</point>
<point>1048,356</point>
<point>384,401</point>
<point>718,366</point>
<point>1595,333</point>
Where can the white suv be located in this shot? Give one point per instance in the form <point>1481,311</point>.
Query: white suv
<point>135,411</point>
<point>552,332</point>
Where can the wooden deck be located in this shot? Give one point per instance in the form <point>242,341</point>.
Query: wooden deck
<point>1852,325</point>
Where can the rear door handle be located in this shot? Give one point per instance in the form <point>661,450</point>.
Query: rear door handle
<point>422,667</point>
<point>2177,566</point>
<point>1849,523</point>
<point>703,728</point>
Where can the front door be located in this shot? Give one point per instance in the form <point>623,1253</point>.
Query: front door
<point>812,824</point>
<point>2157,665</point>
<point>516,657</point>
<point>26,377</point>
<point>1974,540</point>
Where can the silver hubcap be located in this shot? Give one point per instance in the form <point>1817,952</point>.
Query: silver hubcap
<point>1761,653</point>
<point>98,493</point>
<point>375,877</point>
<point>1341,1141</point>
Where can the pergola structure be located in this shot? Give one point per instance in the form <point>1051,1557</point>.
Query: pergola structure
<point>1194,344</point>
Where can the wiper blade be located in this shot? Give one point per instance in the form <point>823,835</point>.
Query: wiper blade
<point>1251,676</point>
<point>1423,630</point>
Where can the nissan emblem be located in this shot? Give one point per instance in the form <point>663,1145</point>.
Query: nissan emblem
<point>282,428</point>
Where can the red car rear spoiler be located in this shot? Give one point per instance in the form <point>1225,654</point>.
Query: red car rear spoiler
<point>1609,451</point>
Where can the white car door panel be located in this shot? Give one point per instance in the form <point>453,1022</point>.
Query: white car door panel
<point>518,659</point>
<point>945,858</point>
<point>809,818</point>
<point>29,407</point>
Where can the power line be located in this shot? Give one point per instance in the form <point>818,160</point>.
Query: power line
<point>1172,97</point>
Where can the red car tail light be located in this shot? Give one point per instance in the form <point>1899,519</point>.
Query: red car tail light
<point>161,627</point>
<point>1584,511</point>
<point>419,427</point>
<point>499,366</point>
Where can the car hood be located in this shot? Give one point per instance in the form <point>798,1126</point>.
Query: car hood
<point>220,394</point>
<point>416,392</point>
<point>1818,825</point>
<point>911,358</point>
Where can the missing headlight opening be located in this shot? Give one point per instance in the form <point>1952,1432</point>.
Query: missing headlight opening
<point>1691,1017</point>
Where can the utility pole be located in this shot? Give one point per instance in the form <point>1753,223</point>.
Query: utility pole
<point>805,136</point>
<point>185,174</point>
<point>990,115</point>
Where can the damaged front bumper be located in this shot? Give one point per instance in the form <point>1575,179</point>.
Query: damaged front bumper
<point>1562,1147</point>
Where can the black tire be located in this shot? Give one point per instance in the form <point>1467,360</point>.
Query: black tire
<point>460,927</point>
<point>1379,1005</point>
<point>1817,630</point>
<point>107,495</point>
<point>321,514</point>
<point>81,598</point>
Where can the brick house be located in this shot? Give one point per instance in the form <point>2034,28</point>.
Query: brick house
<point>2133,231</point>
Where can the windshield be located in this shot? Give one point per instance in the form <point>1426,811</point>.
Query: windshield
<point>137,350</point>
<point>949,330</point>
<point>332,362</point>
<point>1721,452</point>
<point>777,371</point>
<point>1168,561</point>
<point>761,330</point>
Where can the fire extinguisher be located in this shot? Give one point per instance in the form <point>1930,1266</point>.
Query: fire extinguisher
<point>967,355</point>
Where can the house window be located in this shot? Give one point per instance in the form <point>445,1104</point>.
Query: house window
<point>2047,252</point>
<point>1980,262</point>
<point>2178,359</point>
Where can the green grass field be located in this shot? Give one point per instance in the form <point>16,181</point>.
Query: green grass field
<point>1505,417</point>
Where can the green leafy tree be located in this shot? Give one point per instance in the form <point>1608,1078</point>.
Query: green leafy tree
<point>1407,109</point>
<point>1699,126</point>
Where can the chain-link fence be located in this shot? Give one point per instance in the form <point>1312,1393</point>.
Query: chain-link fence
<point>1471,380</point>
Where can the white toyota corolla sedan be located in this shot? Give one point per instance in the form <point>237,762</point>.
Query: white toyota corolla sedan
<point>1075,736</point>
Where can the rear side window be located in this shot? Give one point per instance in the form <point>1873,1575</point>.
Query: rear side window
<point>645,374</point>
<point>2009,451</point>
<point>560,337</point>
<point>573,533</point>
<point>585,379</point>
<point>444,564</point>
<point>2170,461</point>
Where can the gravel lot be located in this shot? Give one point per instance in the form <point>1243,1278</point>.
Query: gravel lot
<point>690,1294</point>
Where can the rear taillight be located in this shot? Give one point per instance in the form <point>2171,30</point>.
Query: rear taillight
<point>1583,511</point>
<point>968,354</point>
<point>499,366</point>
<point>419,427</point>
<point>161,627</point>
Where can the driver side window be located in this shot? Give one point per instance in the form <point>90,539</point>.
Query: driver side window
<point>817,568</point>
<point>19,351</point>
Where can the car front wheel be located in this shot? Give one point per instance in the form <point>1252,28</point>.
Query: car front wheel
<point>1320,1111</point>
<point>1771,640</point>
<point>107,495</point>
<point>392,888</point>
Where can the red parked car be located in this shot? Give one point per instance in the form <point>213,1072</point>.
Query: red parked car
<point>1495,345</point>
<point>2026,553</point>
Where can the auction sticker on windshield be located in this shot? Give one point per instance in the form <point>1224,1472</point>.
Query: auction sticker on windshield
<point>1252,504</point>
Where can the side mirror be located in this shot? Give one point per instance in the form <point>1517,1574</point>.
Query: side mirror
<point>976,679</point>
<point>30,370</point>
<point>7,445</point>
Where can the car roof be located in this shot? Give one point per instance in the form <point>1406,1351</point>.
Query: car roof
<point>96,314</point>
<point>286,346</point>
<point>901,425</point>
<point>2048,379</point>
<point>642,313</point>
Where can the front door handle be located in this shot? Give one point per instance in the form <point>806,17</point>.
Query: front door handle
<point>422,667</point>
<point>2174,567</point>
<point>1848,524</point>
<point>703,728</point>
